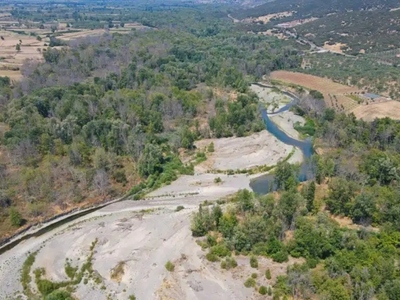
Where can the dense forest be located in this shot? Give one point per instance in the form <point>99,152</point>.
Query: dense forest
<point>356,179</point>
<point>107,114</point>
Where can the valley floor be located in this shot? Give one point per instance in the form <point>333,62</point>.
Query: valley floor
<point>135,239</point>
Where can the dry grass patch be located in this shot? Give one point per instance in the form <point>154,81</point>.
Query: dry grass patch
<point>265,19</point>
<point>390,109</point>
<point>118,272</point>
<point>337,47</point>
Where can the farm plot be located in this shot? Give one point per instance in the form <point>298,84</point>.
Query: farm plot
<point>11,58</point>
<point>335,94</point>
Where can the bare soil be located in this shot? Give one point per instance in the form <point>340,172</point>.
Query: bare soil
<point>390,109</point>
<point>234,153</point>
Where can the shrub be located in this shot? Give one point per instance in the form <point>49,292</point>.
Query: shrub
<point>254,275</point>
<point>120,177</point>
<point>224,265</point>
<point>211,147</point>
<point>217,180</point>
<point>250,282</point>
<point>170,266</point>
<point>46,287</point>
<point>220,250</point>
<point>179,208</point>
<point>316,94</point>
<point>70,270</point>
<point>132,297</point>
<point>211,240</point>
<point>280,256</point>
<point>253,262</point>
<point>59,295</point>
<point>228,263</point>
<point>268,274</point>
<point>212,257</point>
<point>200,157</point>
<point>15,217</point>
<point>263,290</point>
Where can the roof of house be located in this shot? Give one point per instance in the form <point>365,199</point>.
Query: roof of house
<point>372,96</point>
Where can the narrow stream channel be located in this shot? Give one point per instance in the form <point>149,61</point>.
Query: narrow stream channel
<point>266,183</point>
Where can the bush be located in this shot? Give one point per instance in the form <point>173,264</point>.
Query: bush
<point>200,157</point>
<point>224,265</point>
<point>220,250</point>
<point>212,257</point>
<point>120,177</point>
<point>312,262</point>
<point>280,256</point>
<point>254,275</point>
<point>228,263</point>
<point>253,262</point>
<point>316,94</point>
<point>211,147</point>
<point>211,240</point>
<point>132,297</point>
<point>170,266</point>
<point>59,295</point>
<point>15,217</point>
<point>179,208</point>
<point>250,282</point>
<point>218,180</point>
<point>263,290</point>
<point>268,274</point>
<point>46,287</point>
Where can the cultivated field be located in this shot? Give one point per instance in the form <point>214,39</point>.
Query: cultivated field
<point>31,48</point>
<point>11,59</point>
<point>334,93</point>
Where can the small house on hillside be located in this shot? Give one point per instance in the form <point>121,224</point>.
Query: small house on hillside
<point>370,97</point>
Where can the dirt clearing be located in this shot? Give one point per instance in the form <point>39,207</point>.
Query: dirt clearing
<point>390,109</point>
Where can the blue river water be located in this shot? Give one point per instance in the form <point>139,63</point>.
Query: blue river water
<point>264,184</point>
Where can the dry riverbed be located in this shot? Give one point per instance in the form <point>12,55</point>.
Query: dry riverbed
<point>234,153</point>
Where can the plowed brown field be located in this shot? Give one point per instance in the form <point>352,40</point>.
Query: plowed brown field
<point>334,93</point>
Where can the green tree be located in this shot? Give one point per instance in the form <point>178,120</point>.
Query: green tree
<point>285,176</point>
<point>187,138</point>
<point>364,208</point>
<point>151,160</point>
<point>310,195</point>
<point>341,193</point>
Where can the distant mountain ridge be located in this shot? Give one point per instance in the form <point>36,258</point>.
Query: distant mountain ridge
<point>304,8</point>
<point>357,26</point>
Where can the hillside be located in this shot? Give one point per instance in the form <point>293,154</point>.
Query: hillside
<point>317,8</point>
<point>360,26</point>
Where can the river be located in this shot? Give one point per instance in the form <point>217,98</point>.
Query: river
<point>264,184</point>
<point>260,185</point>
